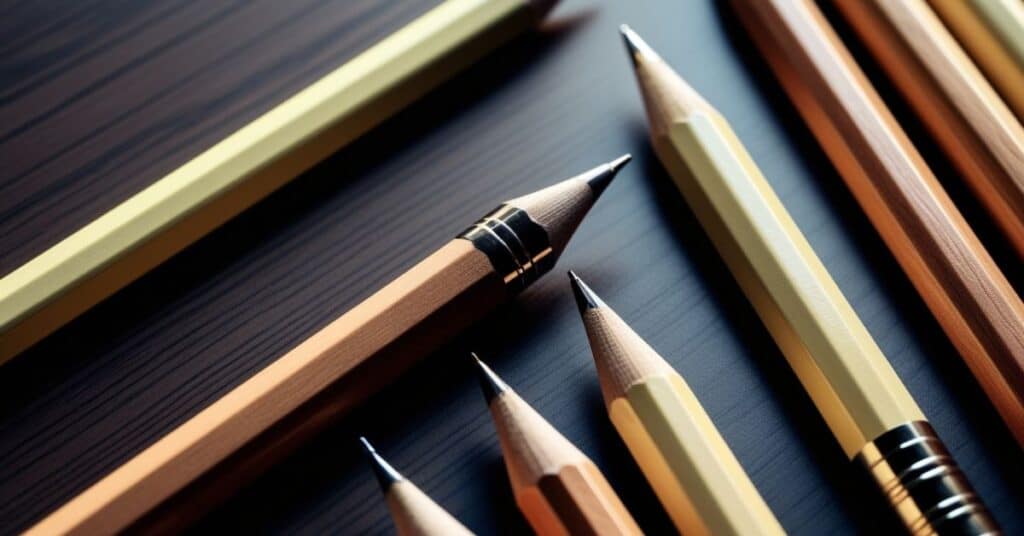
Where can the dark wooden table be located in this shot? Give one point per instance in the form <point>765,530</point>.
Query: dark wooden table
<point>98,98</point>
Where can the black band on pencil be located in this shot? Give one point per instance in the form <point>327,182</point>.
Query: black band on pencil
<point>517,246</point>
<point>923,483</point>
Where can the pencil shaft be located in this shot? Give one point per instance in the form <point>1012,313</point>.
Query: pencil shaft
<point>150,227</point>
<point>992,31</point>
<point>963,113</point>
<point>954,274</point>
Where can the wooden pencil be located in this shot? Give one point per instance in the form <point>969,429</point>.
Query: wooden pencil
<point>699,481</point>
<point>992,31</point>
<point>971,299</point>
<point>350,358</point>
<point>558,489</point>
<point>178,209</point>
<point>863,401</point>
<point>415,513</point>
<point>961,110</point>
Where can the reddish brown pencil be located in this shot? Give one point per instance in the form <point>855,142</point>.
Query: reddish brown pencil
<point>972,300</point>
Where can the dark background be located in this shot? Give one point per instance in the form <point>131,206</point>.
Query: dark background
<point>99,98</point>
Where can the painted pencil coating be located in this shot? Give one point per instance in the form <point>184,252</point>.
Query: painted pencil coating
<point>557,488</point>
<point>150,227</point>
<point>953,273</point>
<point>698,480</point>
<point>855,389</point>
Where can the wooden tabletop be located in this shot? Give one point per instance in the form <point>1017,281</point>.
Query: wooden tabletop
<point>100,98</point>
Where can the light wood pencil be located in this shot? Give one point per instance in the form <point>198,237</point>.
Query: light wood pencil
<point>558,489</point>
<point>415,513</point>
<point>992,31</point>
<point>953,273</point>
<point>863,401</point>
<point>699,481</point>
<point>347,360</point>
<point>178,209</point>
<point>961,110</point>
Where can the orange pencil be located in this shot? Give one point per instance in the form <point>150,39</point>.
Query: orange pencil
<point>558,489</point>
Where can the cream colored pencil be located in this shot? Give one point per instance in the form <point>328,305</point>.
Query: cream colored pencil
<point>867,407</point>
<point>558,489</point>
<point>697,478</point>
<point>415,513</point>
<point>178,209</point>
<point>993,32</point>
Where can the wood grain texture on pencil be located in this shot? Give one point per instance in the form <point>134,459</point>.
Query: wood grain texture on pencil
<point>698,480</point>
<point>954,100</point>
<point>558,488</point>
<point>992,31</point>
<point>137,235</point>
<point>349,359</point>
<point>971,299</point>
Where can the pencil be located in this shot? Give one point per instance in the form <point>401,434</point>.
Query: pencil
<point>558,489</point>
<point>953,273</point>
<point>961,110</point>
<point>415,514</point>
<point>353,356</point>
<point>148,228</point>
<point>696,477</point>
<point>992,31</point>
<point>867,407</point>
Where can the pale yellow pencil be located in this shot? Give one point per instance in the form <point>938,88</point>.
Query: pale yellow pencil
<point>699,481</point>
<point>178,209</point>
<point>867,407</point>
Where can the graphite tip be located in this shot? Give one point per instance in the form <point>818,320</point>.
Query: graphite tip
<point>490,383</point>
<point>636,46</point>
<point>386,474</point>
<point>600,181</point>
<point>586,299</point>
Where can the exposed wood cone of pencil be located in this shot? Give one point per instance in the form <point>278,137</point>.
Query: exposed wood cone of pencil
<point>697,478</point>
<point>557,488</point>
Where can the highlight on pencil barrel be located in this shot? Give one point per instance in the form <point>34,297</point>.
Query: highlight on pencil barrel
<point>692,470</point>
<point>414,513</point>
<point>354,356</point>
<point>853,386</point>
<point>148,228</point>
<point>557,488</point>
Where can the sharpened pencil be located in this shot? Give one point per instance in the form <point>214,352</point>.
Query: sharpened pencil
<point>863,401</point>
<point>699,481</point>
<point>558,489</point>
<point>415,513</point>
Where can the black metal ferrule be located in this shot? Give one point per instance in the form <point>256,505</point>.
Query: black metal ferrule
<point>924,484</point>
<point>517,246</point>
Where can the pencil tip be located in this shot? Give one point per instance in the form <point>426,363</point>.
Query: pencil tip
<point>586,299</point>
<point>490,383</point>
<point>600,181</point>
<point>634,44</point>
<point>386,475</point>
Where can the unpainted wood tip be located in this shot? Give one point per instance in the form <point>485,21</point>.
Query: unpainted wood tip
<point>586,298</point>
<point>490,383</point>
<point>637,47</point>
<point>386,474</point>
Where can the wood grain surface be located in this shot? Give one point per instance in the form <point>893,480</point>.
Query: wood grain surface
<point>100,97</point>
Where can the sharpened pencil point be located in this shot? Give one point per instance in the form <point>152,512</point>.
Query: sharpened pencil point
<point>586,299</point>
<point>490,383</point>
<point>636,46</point>
<point>600,181</point>
<point>386,474</point>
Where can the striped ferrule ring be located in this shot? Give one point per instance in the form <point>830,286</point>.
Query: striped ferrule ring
<point>517,246</point>
<point>923,482</point>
